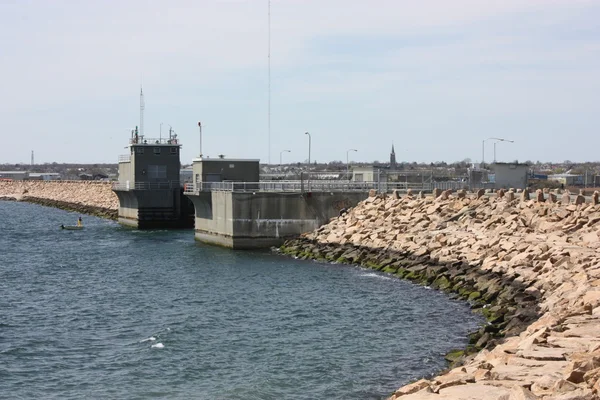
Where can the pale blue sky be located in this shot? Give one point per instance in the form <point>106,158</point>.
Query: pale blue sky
<point>434,77</point>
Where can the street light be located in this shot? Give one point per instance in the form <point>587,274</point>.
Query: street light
<point>502,140</point>
<point>347,163</point>
<point>306,133</point>
<point>280,153</point>
<point>483,148</point>
<point>200,128</point>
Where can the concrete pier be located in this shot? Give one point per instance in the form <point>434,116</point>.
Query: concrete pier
<point>261,218</point>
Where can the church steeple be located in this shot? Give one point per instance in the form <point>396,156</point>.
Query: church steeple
<point>393,158</point>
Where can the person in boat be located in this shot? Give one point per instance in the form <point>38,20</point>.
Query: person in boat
<point>62,226</point>
<point>79,222</point>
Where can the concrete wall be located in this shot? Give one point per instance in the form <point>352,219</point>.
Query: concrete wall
<point>510,176</point>
<point>126,173</point>
<point>246,220</point>
<point>149,209</point>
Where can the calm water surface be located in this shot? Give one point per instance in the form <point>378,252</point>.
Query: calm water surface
<point>110,312</point>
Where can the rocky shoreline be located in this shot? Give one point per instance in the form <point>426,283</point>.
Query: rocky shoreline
<point>531,266</point>
<point>85,197</point>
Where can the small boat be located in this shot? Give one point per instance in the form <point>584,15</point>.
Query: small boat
<point>71,227</point>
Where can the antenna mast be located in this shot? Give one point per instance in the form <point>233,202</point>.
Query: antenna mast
<point>31,157</point>
<point>142,106</point>
<point>269,95</point>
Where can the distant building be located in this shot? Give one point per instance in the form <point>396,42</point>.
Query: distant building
<point>186,175</point>
<point>509,175</point>
<point>393,158</point>
<point>14,175</point>
<point>369,174</point>
<point>567,179</point>
<point>45,176</point>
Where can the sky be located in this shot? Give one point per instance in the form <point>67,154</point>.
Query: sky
<point>435,78</point>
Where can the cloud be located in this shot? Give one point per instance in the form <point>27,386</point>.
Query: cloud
<point>435,68</point>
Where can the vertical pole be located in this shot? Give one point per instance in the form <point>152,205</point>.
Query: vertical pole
<point>494,151</point>
<point>269,73</point>
<point>347,168</point>
<point>309,153</point>
<point>482,154</point>
<point>200,128</point>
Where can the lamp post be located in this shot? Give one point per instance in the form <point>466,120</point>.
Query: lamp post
<point>483,148</point>
<point>200,127</point>
<point>306,133</point>
<point>280,153</point>
<point>347,163</point>
<point>501,140</point>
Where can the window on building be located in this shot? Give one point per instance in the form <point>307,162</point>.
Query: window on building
<point>358,177</point>
<point>139,150</point>
<point>173,150</point>
<point>157,171</point>
<point>157,150</point>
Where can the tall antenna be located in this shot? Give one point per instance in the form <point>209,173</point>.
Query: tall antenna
<point>269,95</point>
<point>31,157</point>
<point>142,106</point>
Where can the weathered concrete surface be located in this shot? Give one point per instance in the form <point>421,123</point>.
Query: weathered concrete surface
<point>532,267</point>
<point>89,197</point>
<point>250,220</point>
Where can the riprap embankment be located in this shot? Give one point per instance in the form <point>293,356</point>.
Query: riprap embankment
<point>531,266</point>
<point>88,197</point>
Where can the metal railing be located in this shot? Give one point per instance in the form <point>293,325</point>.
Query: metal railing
<point>317,186</point>
<point>153,141</point>
<point>279,186</point>
<point>146,185</point>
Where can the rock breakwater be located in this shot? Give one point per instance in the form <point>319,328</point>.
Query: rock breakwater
<point>87,197</point>
<point>531,266</point>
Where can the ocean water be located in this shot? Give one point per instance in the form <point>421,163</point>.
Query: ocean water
<point>115,313</point>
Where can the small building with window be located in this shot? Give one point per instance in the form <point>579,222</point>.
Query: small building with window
<point>149,188</point>
<point>509,175</point>
<point>226,170</point>
<point>369,174</point>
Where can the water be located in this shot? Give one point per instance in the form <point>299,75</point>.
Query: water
<point>110,312</point>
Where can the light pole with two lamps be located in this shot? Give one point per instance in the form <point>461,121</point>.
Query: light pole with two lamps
<point>483,148</point>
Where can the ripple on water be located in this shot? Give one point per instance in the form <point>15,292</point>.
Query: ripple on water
<point>84,313</point>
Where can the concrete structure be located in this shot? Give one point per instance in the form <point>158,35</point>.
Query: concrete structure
<point>509,175</point>
<point>149,191</point>
<point>233,209</point>
<point>259,218</point>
